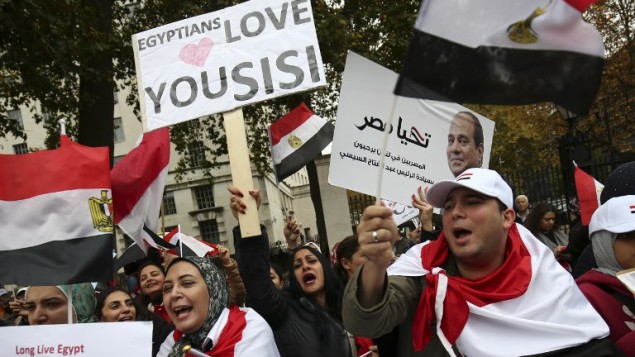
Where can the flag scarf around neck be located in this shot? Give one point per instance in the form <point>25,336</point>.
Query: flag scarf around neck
<point>138,181</point>
<point>55,216</point>
<point>505,52</point>
<point>296,139</point>
<point>589,190</point>
<point>238,332</point>
<point>550,314</point>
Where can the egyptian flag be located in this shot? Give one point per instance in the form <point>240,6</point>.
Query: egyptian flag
<point>296,139</point>
<point>589,190</point>
<point>186,246</point>
<point>506,52</point>
<point>138,181</point>
<point>56,218</point>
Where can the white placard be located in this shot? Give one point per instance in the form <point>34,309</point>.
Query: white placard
<point>100,339</point>
<point>417,141</point>
<point>213,63</point>
<point>401,213</point>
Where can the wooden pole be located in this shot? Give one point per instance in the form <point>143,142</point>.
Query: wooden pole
<point>241,170</point>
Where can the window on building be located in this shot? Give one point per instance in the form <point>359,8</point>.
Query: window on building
<point>115,97</point>
<point>204,196</point>
<point>118,134</point>
<point>209,231</point>
<point>16,115</point>
<point>169,205</point>
<point>20,149</point>
<point>196,153</point>
<point>169,229</point>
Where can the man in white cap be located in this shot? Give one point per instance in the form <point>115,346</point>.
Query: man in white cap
<point>486,287</point>
<point>612,231</point>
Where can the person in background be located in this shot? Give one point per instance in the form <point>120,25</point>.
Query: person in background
<point>522,208</point>
<point>543,223</point>
<point>17,307</point>
<point>276,275</point>
<point>485,287</point>
<point>619,183</point>
<point>196,296</point>
<point>306,316</point>
<point>612,231</point>
<point>117,305</point>
<point>348,258</point>
<point>151,276</point>
<point>48,305</point>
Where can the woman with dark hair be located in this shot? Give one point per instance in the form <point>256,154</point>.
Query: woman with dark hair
<point>543,223</point>
<point>151,276</point>
<point>196,296</point>
<point>306,316</point>
<point>116,305</point>
<point>348,257</point>
<point>276,275</point>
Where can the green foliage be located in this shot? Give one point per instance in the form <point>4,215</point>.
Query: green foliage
<point>48,48</point>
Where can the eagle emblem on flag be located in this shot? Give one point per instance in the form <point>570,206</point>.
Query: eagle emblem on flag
<point>101,212</point>
<point>521,31</point>
<point>294,141</point>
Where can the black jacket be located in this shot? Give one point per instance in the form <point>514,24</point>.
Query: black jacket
<point>300,327</point>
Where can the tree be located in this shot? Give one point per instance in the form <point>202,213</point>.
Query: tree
<point>58,54</point>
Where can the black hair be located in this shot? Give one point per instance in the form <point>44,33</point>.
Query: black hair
<point>278,270</point>
<point>532,222</point>
<point>345,250</point>
<point>333,288</point>
<point>142,314</point>
<point>479,139</point>
<point>149,262</point>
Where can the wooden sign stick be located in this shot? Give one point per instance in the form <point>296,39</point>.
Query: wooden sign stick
<point>241,170</point>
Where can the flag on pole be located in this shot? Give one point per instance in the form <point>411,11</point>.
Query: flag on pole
<point>589,190</point>
<point>56,219</point>
<point>138,181</point>
<point>296,139</point>
<point>504,52</point>
<point>187,246</point>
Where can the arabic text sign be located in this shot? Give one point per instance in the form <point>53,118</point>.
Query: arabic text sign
<point>132,339</point>
<point>212,63</point>
<point>417,139</point>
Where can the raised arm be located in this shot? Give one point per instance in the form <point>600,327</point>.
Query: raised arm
<point>253,264</point>
<point>377,234</point>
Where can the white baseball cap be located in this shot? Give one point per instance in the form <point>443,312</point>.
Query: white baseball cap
<point>487,182</point>
<point>616,215</point>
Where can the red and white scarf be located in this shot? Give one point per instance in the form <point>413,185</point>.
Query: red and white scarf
<point>238,332</point>
<point>529,305</point>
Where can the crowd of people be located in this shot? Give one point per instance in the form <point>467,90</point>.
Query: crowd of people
<point>491,275</point>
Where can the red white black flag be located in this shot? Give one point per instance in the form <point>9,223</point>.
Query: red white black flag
<point>296,139</point>
<point>56,218</point>
<point>505,52</point>
<point>138,181</point>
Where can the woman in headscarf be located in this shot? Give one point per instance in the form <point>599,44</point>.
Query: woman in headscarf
<point>305,316</point>
<point>612,230</point>
<point>48,305</point>
<point>116,305</point>
<point>195,296</point>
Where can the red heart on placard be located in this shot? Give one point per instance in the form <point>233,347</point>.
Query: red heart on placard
<point>196,54</point>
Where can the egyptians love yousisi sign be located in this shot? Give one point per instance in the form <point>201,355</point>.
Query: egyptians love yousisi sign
<point>213,63</point>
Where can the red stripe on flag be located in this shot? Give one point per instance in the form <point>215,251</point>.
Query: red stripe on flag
<point>285,125</point>
<point>132,176</point>
<point>587,194</point>
<point>580,5</point>
<point>72,166</point>
<point>168,237</point>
